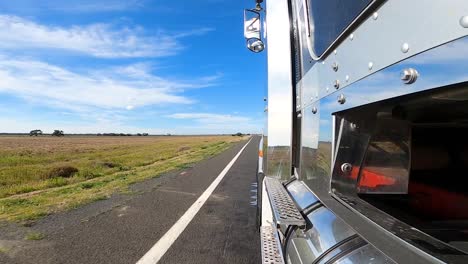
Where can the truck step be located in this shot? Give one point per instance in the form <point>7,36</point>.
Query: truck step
<point>284,210</point>
<point>271,249</point>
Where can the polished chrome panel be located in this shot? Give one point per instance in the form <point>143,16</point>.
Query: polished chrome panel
<point>316,151</point>
<point>285,211</point>
<point>280,101</point>
<point>379,42</point>
<point>342,250</point>
<point>270,246</point>
<point>299,251</point>
<point>327,232</point>
<point>301,195</point>
<point>365,254</point>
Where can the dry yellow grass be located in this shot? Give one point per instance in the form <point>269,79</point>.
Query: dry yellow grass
<point>30,189</point>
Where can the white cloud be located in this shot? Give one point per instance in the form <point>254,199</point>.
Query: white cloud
<point>113,89</point>
<point>209,118</point>
<point>95,6</point>
<point>99,40</point>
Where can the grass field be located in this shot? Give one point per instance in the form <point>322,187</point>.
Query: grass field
<point>42,175</point>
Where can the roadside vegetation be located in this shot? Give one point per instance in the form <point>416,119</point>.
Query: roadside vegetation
<point>43,175</point>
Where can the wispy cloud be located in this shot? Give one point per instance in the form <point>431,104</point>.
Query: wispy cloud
<point>95,6</point>
<point>73,6</point>
<point>209,118</point>
<point>113,89</point>
<point>99,40</point>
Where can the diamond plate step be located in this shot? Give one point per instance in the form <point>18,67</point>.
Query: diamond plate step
<point>271,250</point>
<point>284,210</point>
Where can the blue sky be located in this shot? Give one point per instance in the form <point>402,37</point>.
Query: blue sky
<point>87,66</point>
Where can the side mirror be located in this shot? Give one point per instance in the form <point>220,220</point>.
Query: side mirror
<point>252,30</point>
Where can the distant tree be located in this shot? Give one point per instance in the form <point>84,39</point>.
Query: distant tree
<point>139,134</point>
<point>99,134</point>
<point>168,134</point>
<point>35,132</point>
<point>58,133</point>
<point>145,134</point>
<point>239,134</point>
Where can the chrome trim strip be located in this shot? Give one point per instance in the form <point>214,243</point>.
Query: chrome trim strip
<point>280,101</point>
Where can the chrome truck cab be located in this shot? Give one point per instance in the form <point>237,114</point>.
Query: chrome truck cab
<point>365,151</point>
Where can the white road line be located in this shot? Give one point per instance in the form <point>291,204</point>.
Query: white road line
<point>161,247</point>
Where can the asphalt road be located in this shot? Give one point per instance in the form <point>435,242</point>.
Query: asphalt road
<point>123,228</point>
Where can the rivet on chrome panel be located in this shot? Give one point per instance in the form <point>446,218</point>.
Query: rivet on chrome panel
<point>335,66</point>
<point>347,78</point>
<point>370,65</point>
<point>409,75</point>
<point>314,110</point>
<point>464,21</point>
<point>323,62</point>
<point>375,15</point>
<point>346,168</point>
<point>312,98</point>
<point>341,99</point>
<point>405,47</point>
<point>335,52</point>
<point>327,89</point>
<point>316,95</point>
<point>337,84</point>
<point>351,37</point>
<point>299,115</point>
<point>352,126</point>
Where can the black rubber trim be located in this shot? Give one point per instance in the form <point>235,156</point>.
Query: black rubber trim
<point>337,245</point>
<point>309,209</point>
<point>344,253</point>
<point>291,180</point>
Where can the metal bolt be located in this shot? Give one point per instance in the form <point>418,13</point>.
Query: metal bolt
<point>314,110</point>
<point>335,66</point>
<point>405,47</point>
<point>337,84</point>
<point>346,167</point>
<point>375,15</point>
<point>370,65</point>
<point>409,75</point>
<point>464,21</point>
<point>299,115</point>
<point>351,37</point>
<point>341,99</point>
<point>352,126</point>
<point>347,78</point>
